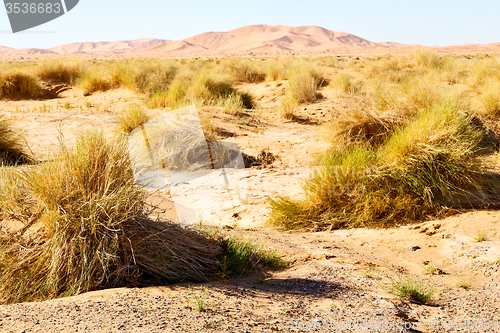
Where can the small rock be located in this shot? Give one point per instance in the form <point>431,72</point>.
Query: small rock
<point>413,248</point>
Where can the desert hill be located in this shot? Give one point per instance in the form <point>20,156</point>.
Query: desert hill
<point>263,40</point>
<point>266,38</point>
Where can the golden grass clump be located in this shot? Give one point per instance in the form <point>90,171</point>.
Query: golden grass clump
<point>131,118</point>
<point>431,163</point>
<point>18,84</point>
<point>361,127</point>
<point>345,84</point>
<point>303,82</point>
<point>147,77</point>
<point>428,59</point>
<point>97,80</point>
<point>490,98</point>
<point>63,71</point>
<point>243,70</point>
<point>287,106</point>
<point>79,223</point>
<point>12,148</point>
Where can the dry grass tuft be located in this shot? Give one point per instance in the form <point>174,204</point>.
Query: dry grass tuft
<point>428,165</point>
<point>358,127</point>
<point>344,84</point>
<point>428,59</point>
<point>243,70</point>
<point>133,117</point>
<point>63,71</point>
<point>17,84</point>
<point>84,227</point>
<point>12,148</point>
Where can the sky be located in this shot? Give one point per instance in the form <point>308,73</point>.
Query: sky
<point>423,22</point>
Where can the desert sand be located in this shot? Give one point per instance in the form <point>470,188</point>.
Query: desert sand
<point>336,276</point>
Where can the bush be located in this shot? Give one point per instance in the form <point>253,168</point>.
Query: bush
<point>243,70</point>
<point>361,127</point>
<point>98,79</point>
<point>428,59</point>
<point>287,106</point>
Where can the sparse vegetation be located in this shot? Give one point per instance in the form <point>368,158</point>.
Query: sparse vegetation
<point>62,71</point>
<point>480,236</point>
<point>432,269</point>
<point>199,301</point>
<point>287,106</point>
<point>465,283</point>
<point>244,254</point>
<point>344,84</point>
<point>371,274</point>
<point>416,290</point>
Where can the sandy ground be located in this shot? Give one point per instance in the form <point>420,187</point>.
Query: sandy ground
<point>333,276</point>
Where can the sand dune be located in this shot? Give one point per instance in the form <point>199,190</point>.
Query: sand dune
<point>120,46</point>
<point>176,46</point>
<point>259,39</point>
<point>9,52</point>
<point>277,37</point>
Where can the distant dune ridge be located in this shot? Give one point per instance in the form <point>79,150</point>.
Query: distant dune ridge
<point>267,38</point>
<point>120,46</point>
<point>250,40</point>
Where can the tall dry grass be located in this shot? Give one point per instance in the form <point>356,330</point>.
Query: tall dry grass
<point>84,226</point>
<point>60,70</point>
<point>426,165</point>
<point>132,118</point>
<point>17,84</point>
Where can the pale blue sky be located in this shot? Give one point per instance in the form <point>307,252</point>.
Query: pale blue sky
<point>425,22</point>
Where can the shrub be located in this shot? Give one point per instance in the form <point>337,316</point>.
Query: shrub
<point>361,127</point>
<point>243,70</point>
<point>98,79</point>
<point>428,59</point>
